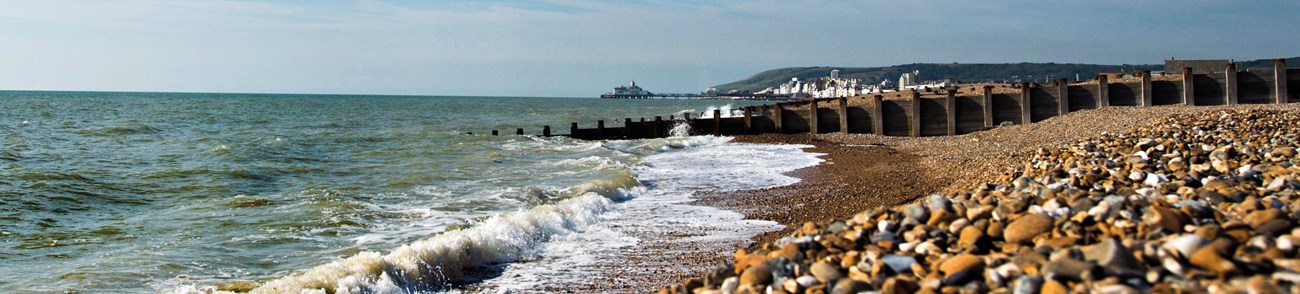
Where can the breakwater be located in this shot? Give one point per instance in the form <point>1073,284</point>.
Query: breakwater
<point>953,111</point>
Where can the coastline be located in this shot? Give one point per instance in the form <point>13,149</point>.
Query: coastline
<point>864,171</point>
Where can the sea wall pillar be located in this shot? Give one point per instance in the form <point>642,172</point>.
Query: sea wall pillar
<point>519,131</point>
<point>749,120</point>
<point>1145,99</point>
<point>877,117</point>
<point>777,109</point>
<point>600,129</point>
<point>1103,91</point>
<point>1280,83</point>
<point>573,129</point>
<point>988,107</point>
<point>950,105</point>
<point>844,114</point>
<point>1025,115</point>
<point>1189,90</point>
<point>546,131</point>
<point>1230,81</point>
<point>914,122</point>
<point>812,116</point>
<point>1062,97</point>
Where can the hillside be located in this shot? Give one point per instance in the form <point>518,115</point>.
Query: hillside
<point>965,72</point>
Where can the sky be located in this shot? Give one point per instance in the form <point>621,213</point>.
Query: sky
<point>578,48</point>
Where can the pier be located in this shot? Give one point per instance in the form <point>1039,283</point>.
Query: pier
<point>939,113</point>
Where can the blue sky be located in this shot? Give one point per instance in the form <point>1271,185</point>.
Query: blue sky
<point>583,48</point>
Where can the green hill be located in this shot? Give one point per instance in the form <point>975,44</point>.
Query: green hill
<point>972,72</point>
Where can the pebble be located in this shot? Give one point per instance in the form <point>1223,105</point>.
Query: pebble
<point>1196,203</point>
<point>825,272</point>
<point>1027,227</point>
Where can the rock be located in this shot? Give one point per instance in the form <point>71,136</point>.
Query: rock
<point>1260,217</point>
<point>729,285</point>
<point>995,230</point>
<point>1185,245</point>
<point>807,281</point>
<point>1114,258</point>
<point>940,217</point>
<point>1070,269</point>
<point>1053,287</point>
<point>937,202</point>
<point>1274,228</point>
<point>979,212</point>
<point>1261,284</point>
<point>758,274</point>
<point>1027,227</point>
<point>825,272</point>
<point>898,286</point>
<point>1209,259</point>
<point>917,212</point>
<point>961,269</point>
<point>1282,152</point>
<point>1028,285</point>
<point>969,237</point>
<point>898,263</point>
<point>1169,219</point>
<point>849,286</point>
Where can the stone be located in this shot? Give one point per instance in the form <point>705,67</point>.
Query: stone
<point>849,286</point>
<point>1209,259</point>
<point>1172,220</point>
<point>1114,258</point>
<point>1282,152</point>
<point>825,272</point>
<point>916,212</point>
<point>969,237</point>
<point>758,274</point>
<point>1028,285</point>
<point>1027,227</point>
<point>940,217</point>
<point>729,285</point>
<point>995,230</point>
<point>1185,245</point>
<point>1053,287</point>
<point>979,212</point>
<point>1070,269</point>
<point>961,268</point>
<point>1260,217</point>
<point>898,263</point>
<point>1261,284</point>
<point>792,285</point>
<point>937,202</point>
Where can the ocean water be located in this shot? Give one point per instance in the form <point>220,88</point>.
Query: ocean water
<point>165,192</point>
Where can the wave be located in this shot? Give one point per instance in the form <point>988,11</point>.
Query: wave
<point>440,261</point>
<point>130,128</point>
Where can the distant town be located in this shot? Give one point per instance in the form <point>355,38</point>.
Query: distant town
<point>834,85</point>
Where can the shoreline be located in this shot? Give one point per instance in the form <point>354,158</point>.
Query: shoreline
<point>915,168</point>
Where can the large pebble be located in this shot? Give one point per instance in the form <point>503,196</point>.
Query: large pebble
<point>1027,227</point>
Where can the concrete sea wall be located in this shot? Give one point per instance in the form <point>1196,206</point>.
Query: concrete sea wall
<point>952,113</point>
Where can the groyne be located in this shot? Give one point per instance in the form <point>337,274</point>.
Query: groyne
<point>953,111</point>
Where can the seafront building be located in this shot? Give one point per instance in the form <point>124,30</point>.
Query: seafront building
<point>835,86</point>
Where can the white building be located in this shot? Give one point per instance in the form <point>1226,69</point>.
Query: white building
<point>908,79</point>
<point>828,87</point>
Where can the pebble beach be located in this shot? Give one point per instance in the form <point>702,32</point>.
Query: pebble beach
<point>1116,200</point>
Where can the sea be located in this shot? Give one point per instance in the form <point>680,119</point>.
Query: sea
<point>105,192</point>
